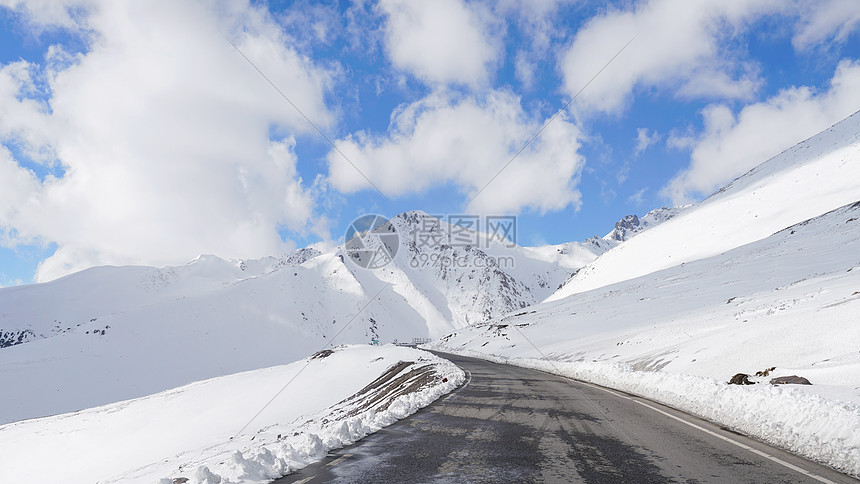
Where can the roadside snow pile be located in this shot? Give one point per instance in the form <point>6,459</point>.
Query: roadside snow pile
<point>787,303</point>
<point>807,424</point>
<point>326,401</point>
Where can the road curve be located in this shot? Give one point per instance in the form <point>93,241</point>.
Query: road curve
<point>511,424</point>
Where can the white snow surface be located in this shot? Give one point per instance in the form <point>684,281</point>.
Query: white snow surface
<point>114,333</point>
<point>191,431</point>
<point>705,292</point>
<point>815,176</point>
<point>789,301</point>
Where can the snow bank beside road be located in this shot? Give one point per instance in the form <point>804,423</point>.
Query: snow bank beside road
<point>809,425</point>
<point>788,301</point>
<point>330,400</point>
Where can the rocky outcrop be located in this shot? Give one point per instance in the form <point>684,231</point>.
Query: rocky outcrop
<point>789,380</point>
<point>15,337</point>
<point>741,379</point>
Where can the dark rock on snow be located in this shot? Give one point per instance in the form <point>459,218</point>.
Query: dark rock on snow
<point>789,380</point>
<point>741,379</point>
<point>765,372</point>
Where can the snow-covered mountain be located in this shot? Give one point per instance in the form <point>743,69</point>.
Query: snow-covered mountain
<point>469,282</point>
<point>631,225</point>
<point>124,334</point>
<point>763,276</point>
<point>815,176</point>
<point>727,285</point>
<point>113,333</point>
<point>788,301</point>
<point>748,308</point>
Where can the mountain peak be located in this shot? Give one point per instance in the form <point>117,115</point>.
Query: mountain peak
<point>631,225</point>
<point>625,228</point>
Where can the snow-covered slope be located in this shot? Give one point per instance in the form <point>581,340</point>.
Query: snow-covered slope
<point>815,176</point>
<point>690,295</point>
<point>114,333</point>
<point>465,283</point>
<point>110,334</point>
<point>196,431</point>
<point>788,301</point>
<point>62,306</point>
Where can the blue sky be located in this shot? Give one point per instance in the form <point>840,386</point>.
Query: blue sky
<point>135,133</point>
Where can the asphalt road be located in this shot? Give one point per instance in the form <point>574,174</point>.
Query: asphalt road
<point>509,424</point>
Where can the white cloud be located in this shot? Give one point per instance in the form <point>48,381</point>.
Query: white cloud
<point>688,48</point>
<point>310,24</point>
<point>441,42</point>
<point>678,45</point>
<point>18,187</point>
<point>24,121</point>
<point>465,141</point>
<point>709,81</point>
<point>638,197</point>
<point>682,139</point>
<point>731,145</point>
<point>164,134</point>
<point>622,173</point>
<point>524,69</point>
<point>607,193</point>
<point>825,21</point>
<point>51,13</point>
<point>538,22</point>
<point>644,139</point>
<point>536,18</point>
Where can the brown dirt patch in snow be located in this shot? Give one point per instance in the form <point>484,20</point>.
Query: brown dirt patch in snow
<point>401,378</point>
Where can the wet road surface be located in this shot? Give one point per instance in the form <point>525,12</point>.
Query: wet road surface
<point>510,424</point>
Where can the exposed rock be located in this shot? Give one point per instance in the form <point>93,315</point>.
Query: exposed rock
<point>765,372</point>
<point>741,379</point>
<point>322,354</point>
<point>625,228</point>
<point>15,337</point>
<point>632,225</point>
<point>789,380</point>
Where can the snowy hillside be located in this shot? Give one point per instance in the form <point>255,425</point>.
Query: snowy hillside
<point>815,176</point>
<point>469,282</point>
<point>486,277</point>
<point>114,333</point>
<point>788,301</point>
<point>763,276</point>
<point>75,301</point>
<point>212,429</point>
<point>693,295</point>
<point>110,334</point>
